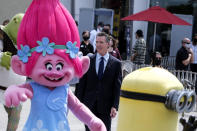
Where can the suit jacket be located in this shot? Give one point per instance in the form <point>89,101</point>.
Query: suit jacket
<point>104,92</point>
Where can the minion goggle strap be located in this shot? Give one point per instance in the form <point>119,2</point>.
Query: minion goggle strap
<point>177,100</point>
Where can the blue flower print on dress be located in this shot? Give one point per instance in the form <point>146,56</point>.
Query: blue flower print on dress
<point>45,46</point>
<point>39,127</point>
<point>24,53</point>
<point>72,49</point>
<point>61,126</point>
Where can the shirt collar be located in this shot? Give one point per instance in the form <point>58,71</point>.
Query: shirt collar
<point>106,56</point>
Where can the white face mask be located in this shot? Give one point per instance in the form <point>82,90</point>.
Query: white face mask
<point>187,45</point>
<point>100,29</point>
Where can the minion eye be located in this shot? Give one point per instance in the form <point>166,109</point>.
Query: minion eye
<point>49,66</point>
<point>59,66</point>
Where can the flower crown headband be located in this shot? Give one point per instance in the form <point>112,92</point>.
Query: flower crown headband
<point>47,48</point>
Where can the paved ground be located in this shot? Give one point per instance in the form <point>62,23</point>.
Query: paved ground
<point>75,124</point>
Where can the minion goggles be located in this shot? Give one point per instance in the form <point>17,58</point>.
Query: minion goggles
<point>177,100</point>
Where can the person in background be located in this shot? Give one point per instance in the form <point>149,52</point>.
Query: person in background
<point>93,34</point>
<point>113,49</point>
<point>150,44</point>
<point>85,46</point>
<point>139,50</point>
<point>156,59</point>
<point>184,55</point>
<point>76,22</point>
<point>107,29</point>
<point>193,65</point>
<point>1,41</point>
<point>5,22</point>
<point>193,46</point>
<point>99,88</point>
<point>8,35</point>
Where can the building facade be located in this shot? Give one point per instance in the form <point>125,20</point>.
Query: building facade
<point>170,35</point>
<point>125,30</point>
<point>8,8</point>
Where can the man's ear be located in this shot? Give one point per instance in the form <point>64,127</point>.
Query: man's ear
<point>85,64</point>
<point>18,66</point>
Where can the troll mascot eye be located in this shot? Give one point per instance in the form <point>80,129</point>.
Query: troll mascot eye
<point>49,66</point>
<point>59,66</point>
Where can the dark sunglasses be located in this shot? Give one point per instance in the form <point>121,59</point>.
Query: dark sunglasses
<point>186,42</point>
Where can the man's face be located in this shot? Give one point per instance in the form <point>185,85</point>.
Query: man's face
<point>136,36</point>
<point>100,28</point>
<point>158,56</point>
<point>106,29</point>
<point>101,45</point>
<point>186,43</point>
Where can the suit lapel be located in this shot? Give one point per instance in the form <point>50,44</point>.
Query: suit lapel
<point>94,65</point>
<point>108,66</point>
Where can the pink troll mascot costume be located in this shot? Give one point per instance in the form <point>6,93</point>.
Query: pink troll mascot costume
<point>48,43</point>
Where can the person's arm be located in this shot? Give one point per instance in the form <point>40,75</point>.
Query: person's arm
<point>92,36</point>
<point>116,90</point>
<point>134,54</point>
<point>187,61</point>
<point>84,114</point>
<point>189,58</point>
<point>192,56</point>
<point>5,59</point>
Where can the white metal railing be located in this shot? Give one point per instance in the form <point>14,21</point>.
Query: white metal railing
<point>128,67</point>
<point>168,62</point>
<point>188,75</point>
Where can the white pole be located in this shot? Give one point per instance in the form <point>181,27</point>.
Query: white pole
<point>155,29</point>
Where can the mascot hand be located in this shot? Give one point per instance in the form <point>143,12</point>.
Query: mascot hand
<point>5,60</point>
<point>14,95</point>
<point>97,125</point>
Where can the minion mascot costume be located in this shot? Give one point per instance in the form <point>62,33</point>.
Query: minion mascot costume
<point>151,99</point>
<point>8,37</point>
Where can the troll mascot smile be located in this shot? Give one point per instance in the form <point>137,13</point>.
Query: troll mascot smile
<point>48,43</point>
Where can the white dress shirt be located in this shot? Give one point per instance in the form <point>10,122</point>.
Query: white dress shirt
<point>194,49</point>
<point>98,59</point>
<point>92,39</point>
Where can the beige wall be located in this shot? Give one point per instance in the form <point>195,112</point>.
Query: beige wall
<point>8,8</point>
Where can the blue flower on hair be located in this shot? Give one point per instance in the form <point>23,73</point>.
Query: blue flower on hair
<point>45,47</point>
<point>24,53</point>
<point>72,49</point>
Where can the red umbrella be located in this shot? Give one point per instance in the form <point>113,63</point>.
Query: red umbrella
<point>158,15</point>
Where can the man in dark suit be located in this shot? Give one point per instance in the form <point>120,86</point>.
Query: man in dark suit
<point>99,88</point>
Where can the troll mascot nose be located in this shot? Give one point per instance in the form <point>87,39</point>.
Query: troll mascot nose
<point>136,114</point>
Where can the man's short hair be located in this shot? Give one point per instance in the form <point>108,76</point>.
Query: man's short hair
<point>107,38</point>
<point>139,33</point>
<point>186,40</point>
<point>100,24</point>
<point>86,31</point>
<point>5,22</point>
<point>108,25</point>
